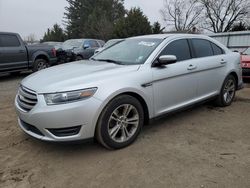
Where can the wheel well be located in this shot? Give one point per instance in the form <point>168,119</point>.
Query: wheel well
<point>143,103</point>
<point>235,76</point>
<point>42,57</point>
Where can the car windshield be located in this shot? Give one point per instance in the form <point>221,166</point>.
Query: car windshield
<point>70,44</point>
<point>129,51</point>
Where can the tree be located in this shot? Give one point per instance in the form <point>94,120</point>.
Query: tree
<point>93,18</point>
<point>156,28</point>
<point>221,15</point>
<point>56,33</point>
<point>133,24</point>
<point>184,15</point>
<point>73,17</point>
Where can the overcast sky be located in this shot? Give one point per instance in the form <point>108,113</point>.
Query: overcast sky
<point>35,16</point>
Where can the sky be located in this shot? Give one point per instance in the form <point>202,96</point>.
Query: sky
<point>35,16</point>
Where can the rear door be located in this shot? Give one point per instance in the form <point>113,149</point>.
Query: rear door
<point>13,53</point>
<point>211,62</point>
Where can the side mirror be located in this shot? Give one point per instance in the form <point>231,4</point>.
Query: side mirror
<point>166,60</point>
<point>86,46</point>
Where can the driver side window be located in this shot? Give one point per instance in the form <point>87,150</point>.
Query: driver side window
<point>179,48</point>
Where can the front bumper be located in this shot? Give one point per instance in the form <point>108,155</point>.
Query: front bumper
<point>42,119</point>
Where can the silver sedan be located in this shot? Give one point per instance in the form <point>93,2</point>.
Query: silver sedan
<point>112,95</point>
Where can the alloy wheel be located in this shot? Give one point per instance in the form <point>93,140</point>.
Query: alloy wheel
<point>123,123</point>
<point>229,91</point>
<point>41,65</point>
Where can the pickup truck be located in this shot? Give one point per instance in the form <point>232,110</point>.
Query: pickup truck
<point>16,56</point>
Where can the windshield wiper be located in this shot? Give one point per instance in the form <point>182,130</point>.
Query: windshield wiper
<point>108,60</point>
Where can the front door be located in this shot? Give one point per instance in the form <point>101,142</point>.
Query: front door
<point>175,85</point>
<point>13,53</point>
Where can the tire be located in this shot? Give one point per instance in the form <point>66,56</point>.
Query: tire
<point>40,64</point>
<point>227,92</point>
<point>120,122</point>
<point>79,58</point>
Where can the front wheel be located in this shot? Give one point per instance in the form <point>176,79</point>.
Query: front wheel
<point>227,93</point>
<point>120,122</point>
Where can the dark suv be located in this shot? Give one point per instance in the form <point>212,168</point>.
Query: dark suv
<point>78,49</point>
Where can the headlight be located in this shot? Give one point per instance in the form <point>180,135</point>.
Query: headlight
<point>70,96</point>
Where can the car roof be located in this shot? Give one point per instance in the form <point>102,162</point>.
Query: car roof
<point>115,40</point>
<point>164,36</point>
<point>85,39</point>
<point>8,33</point>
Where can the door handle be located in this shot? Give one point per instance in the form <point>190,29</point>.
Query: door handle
<point>191,67</point>
<point>223,62</point>
<point>21,51</point>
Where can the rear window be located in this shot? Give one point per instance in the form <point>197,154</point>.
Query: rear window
<point>202,48</point>
<point>9,41</point>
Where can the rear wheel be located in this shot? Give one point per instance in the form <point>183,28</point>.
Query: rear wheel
<point>40,64</point>
<point>227,93</point>
<point>120,122</point>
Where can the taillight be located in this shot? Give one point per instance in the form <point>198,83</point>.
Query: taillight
<point>54,52</point>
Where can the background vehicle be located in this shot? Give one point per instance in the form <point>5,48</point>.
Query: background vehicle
<point>78,49</point>
<point>114,93</point>
<point>101,42</point>
<point>56,45</point>
<point>245,62</point>
<point>16,56</point>
<point>108,44</point>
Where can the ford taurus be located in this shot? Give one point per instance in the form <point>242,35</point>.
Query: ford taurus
<point>112,95</point>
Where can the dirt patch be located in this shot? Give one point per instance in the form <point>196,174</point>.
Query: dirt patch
<point>204,146</point>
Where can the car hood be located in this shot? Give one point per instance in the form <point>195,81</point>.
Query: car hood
<point>73,76</point>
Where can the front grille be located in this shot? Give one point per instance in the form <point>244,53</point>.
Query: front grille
<point>26,98</point>
<point>31,128</point>
<point>69,131</point>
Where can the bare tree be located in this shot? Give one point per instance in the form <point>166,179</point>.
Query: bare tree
<point>184,15</point>
<point>221,15</point>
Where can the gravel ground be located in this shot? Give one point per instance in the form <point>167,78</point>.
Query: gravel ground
<point>202,147</point>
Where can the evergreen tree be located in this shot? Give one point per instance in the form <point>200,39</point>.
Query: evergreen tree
<point>93,18</point>
<point>156,28</point>
<point>54,34</point>
<point>135,23</point>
